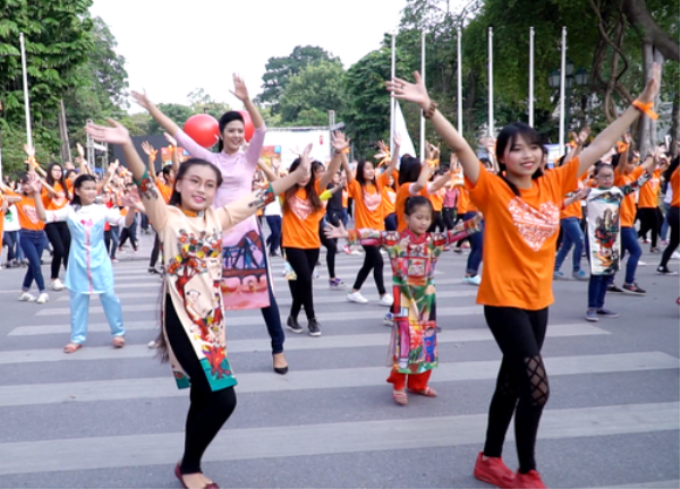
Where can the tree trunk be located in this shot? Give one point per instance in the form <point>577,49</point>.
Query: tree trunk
<point>637,14</point>
<point>675,128</point>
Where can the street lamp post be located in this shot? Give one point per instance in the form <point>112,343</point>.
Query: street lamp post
<point>580,78</point>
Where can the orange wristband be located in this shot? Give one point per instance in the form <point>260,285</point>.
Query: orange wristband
<point>646,108</point>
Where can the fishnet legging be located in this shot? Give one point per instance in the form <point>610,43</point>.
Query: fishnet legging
<point>522,385</point>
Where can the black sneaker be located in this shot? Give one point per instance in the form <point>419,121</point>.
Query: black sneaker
<point>614,288</point>
<point>633,289</point>
<point>313,327</point>
<point>665,271</point>
<point>293,325</point>
<point>606,313</point>
<point>153,270</point>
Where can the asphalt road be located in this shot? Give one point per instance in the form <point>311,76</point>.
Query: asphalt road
<point>105,418</point>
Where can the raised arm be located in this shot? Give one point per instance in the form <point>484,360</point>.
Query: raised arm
<point>268,171</point>
<point>417,93</point>
<point>340,145</point>
<point>151,154</point>
<point>423,179</point>
<point>117,134</point>
<point>607,138</point>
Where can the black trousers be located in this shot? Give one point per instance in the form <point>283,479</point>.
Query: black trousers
<point>437,222</point>
<point>60,239</point>
<point>372,261</point>
<point>331,245</point>
<point>209,409</point>
<point>449,216</point>
<point>155,251</point>
<point>650,220</point>
<point>522,385</point>
<point>673,217</point>
<point>303,262</point>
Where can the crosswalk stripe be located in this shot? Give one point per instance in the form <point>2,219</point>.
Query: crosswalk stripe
<point>261,382</point>
<point>139,450</point>
<point>332,297</point>
<point>672,484</point>
<point>255,345</point>
<point>367,313</point>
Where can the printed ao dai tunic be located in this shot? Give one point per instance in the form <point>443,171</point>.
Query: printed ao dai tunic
<point>413,345</point>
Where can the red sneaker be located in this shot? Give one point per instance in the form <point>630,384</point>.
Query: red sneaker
<point>493,471</point>
<point>530,480</point>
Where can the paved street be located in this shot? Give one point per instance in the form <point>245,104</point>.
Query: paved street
<point>103,418</point>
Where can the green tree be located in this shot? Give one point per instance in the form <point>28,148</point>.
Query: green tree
<point>57,41</point>
<point>280,69</point>
<point>177,112</point>
<point>202,102</point>
<point>310,94</point>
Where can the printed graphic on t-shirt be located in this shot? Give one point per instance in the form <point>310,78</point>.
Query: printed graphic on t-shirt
<point>534,225</point>
<point>302,208</point>
<point>30,212</point>
<point>372,201</point>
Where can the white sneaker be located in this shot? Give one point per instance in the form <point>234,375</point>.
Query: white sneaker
<point>57,285</point>
<point>152,345</point>
<point>26,297</point>
<point>387,300</point>
<point>675,255</point>
<point>42,298</point>
<point>357,297</point>
<point>476,280</point>
<point>315,273</point>
<point>641,263</point>
<point>357,253</point>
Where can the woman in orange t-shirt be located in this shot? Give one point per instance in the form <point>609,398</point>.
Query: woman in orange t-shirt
<point>673,218</point>
<point>366,189</point>
<point>648,212</point>
<point>302,214</point>
<point>57,232</point>
<point>521,208</point>
<point>32,241</point>
<point>389,199</point>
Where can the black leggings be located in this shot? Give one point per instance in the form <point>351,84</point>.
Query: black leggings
<point>519,334</point>
<point>449,216</point>
<point>650,220</point>
<point>155,251</point>
<point>303,262</point>
<point>128,233</point>
<point>437,222</point>
<point>60,239</point>
<point>209,409</point>
<point>331,246</point>
<point>372,260</point>
<point>673,218</point>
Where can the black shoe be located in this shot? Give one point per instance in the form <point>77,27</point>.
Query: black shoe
<point>614,288</point>
<point>665,271</point>
<point>293,325</point>
<point>282,370</point>
<point>153,270</point>
<point>313,327</point>
<point>633,289</point>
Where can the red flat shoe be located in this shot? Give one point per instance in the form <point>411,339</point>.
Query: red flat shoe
<point>178,474</point>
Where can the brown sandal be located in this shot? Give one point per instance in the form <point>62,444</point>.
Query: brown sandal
<point>119,342</point>
<point>72,347</point>
<point>428,392</point>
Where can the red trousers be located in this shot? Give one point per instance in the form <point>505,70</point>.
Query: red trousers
<point>416,382</point>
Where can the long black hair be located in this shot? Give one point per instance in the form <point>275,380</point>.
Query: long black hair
<point>51,181</point>
<point>75,200</point>
<point>176,197</point>
<point>509,136</point>
<point>226,118</point>
<point>360,173</point>
<point>410,169</point>
<point>310,187</point>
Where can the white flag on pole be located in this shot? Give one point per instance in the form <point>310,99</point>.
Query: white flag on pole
<point>401,130</point>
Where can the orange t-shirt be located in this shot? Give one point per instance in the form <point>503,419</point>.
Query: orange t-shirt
<point>345,198</point>
<point>300,226</point>
<point>465,205</point>
<point>28,217</point>
<point>368,203</point>
<point>675,185</point>
<point>575,209</point>
<point>58,201</point>
<point>389,198</point>
<point>522,232</point>
<point>165,190</point>
<point>437,200</point>
<point>627,213</point>
<point>403,194</point>
<point>649,193</point>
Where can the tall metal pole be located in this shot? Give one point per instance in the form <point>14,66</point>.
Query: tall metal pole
<point>531,76</point>
<point>392,99</point>
<point>27,102</point>
<point>460,85</point>
<point>563,74</point>
<point>491,126</point>
<point>422,119</point>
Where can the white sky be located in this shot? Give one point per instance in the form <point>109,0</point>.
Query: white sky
<point>172,47</point>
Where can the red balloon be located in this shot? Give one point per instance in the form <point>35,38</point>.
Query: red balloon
<point>202,128</point>
<point>248,125</point>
